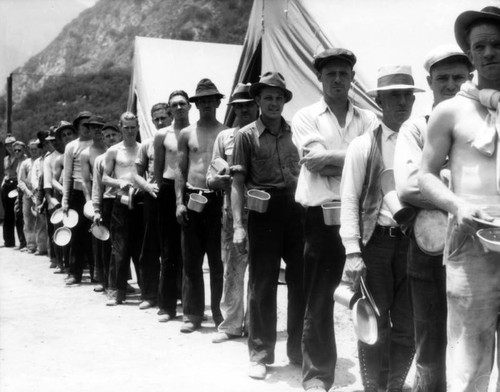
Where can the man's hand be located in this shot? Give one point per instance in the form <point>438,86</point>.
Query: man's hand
<point>152,189</point>
<point>181,214</point>
<point>465,215</point>
<point>240,239</point>
<point>221,180</point>
<point>65,208</point>
<point>53,202</point>
<point>314,161</point>
<point>354,269</point>
<point>97,218</point>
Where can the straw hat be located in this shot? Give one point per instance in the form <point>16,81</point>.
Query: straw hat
<point>395,77</point>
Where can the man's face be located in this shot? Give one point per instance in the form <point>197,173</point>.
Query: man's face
<point>111,137</point>
<point>129,129</point>
<point>96,131</point>
<point>34,151</point>
<point>484,52</point>
<point>83,130</point>
<point>271,101</point>
<point>396,106</point>
<point>207,106</point>
<point>336,77</point>
<point>67,135</point>
<point>18,151</point>
<point>245,112</point>
<point>445,80</point>
<point>10,148</point>
<point>179,106</point>
<point>161,118</point>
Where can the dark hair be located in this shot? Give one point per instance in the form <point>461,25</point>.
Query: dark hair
<point>159,106</point>
<point>174,93</point>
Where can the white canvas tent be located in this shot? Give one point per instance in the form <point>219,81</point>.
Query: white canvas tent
<point>163,65</point>
<point>283,35</point>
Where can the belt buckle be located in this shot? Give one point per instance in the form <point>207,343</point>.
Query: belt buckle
<point>393,232</point>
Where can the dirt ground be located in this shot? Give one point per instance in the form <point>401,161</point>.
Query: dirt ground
<point>59,338</point>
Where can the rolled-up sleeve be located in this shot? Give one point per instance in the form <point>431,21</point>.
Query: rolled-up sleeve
<point>241,153</point>
<point>305,133</point>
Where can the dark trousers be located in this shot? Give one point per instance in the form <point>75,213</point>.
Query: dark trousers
<point>202,235</point>
<point>9,220</point>
<point>386,264</point>
<point>274,235</point>
<point>149,260</point>
<point>81,241</point>
<point>170,249</point>
<point>102,250</point>
<point>324,258</point>
<point>126,242</point>
<point>18,212</point>
<point>50,235</point>
<point>427,287</point>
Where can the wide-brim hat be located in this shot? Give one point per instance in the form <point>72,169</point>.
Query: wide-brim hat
<point>64,125</point>
<point>52,134</point>
<point>205,88</point>
<point>445,52</point>
<point>271,79</point>
<point>241,93</point>
<point>465,19</point>
<point>333,54</point>
<point>80,116</point>
<point>41,135</point>
<point>395,77</point>
<point>94,120</point>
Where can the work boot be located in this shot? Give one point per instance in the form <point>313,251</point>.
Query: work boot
<point>369,365</point>
<point>400,360</point>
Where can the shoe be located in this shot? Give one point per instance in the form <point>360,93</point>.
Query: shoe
<point>189,326</point>
<point>53,264</point>
<point>165,317</point>
<point>257,371</point>
<point>31,251</point>
<point>147,304</point>
<point>221,337</point>
<point>59,270</point>
<point>99,288</point>
<point>24,250</point>
<point>38,253</point>
<point>20,247</point>
<point>114,302</point>
<point>72,280</point>
<point>130,289</point>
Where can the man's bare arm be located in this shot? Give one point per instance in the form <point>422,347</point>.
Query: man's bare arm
<point>237,202</point>
<point>109,168</point>
<point>86,177</point>
<point>159,151</point>
<point>181,171</point>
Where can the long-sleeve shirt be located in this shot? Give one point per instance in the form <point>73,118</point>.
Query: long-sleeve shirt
<point>24,176</point>
<point>72,168</point>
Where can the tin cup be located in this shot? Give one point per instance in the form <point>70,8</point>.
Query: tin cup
<point>257,200</point>
<point>345,296</point>
<point>331,213</point>
<point>197,202</point>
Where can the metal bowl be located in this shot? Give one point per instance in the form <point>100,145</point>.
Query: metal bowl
<point>490,238</point>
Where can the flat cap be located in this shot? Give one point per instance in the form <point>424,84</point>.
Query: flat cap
<point>445,52</point>
<point>110,125</point>
<point>331,54</point>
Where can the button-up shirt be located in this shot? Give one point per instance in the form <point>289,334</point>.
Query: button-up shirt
<point>145,159</point>
<point>316,126</point>
<point>269,161</point>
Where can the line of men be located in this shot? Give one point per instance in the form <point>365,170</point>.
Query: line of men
<point>430,305</point>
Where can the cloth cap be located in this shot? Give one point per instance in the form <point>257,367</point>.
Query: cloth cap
<point>9,139</point>
<point>94,120</point>
<point>331,54</point>
<point>19,143</point>
<point>467,18</point>
<point>395,77</point>
<point>110,125</point>
<point>271,79</point>
<point>241,93</point>
<point>80,116</point>
<point>445,52</point>
<point>205,88</point>
<point>63,125</point>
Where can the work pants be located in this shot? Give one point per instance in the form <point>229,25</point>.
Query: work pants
<point>81,242</point>
<point>9,218</point>
<point>102,253</point>
<point>274,235</point>
<point>29,223</point>
<point>42,237</point>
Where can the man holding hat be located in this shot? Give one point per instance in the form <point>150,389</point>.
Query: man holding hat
<point>200,230</point>
<point>464,131</point>
<point>266,159</point>
<point>448,68</point>
<point>235,263</point>
<point>376,249</point>
<point>74,198</point>
<point>322,133</point>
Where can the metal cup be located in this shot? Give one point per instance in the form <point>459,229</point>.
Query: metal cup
<point>331,213</point>
<point>197,202</point>
<point>345,296</point>
<point>257,200</point>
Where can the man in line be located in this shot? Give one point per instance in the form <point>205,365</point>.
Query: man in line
<point>235,263</point>
<point>126,223</point>
<point>375,246</point>
<point>448,68</point>
<point>165,152</point>
<point>200,230</point>
<point>74,198</point>
<point>161,115</point>
<point>265,158</point>
<point>464,130</point>
<point>322,133</point>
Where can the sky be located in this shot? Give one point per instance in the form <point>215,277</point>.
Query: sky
<point>28,26</point>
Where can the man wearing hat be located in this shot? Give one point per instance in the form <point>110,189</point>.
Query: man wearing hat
<point>448,68</point>
<point>165,152</point>
<point>265,158</point>
<point>74,198</point>
<point>322,133</point>
<point>464,131</point>
<point>200,230</point>
<point>375,247</point>
<point>235,263</point>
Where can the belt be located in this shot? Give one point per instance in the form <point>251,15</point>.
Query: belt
<point>388,231</point>
<point>77,185</point>
<point>206,193</point>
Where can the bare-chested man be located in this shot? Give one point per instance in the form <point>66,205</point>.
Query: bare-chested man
<point>126,223</point>
<point>465,129</point>
<point>165,151</point>
<point>200,230</point>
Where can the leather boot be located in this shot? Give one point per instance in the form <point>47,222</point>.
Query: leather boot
<point>369,365</point>
<point>400,360</point>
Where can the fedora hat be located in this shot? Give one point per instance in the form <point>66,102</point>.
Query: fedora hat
<point>81,116</point>
<point>205,88</point>
<point>64,125</point>
<point>445,52</point>
<point>395,77</point>
<point>94,120</point>
<point>241,93</point>
<point>333,54</point>
<point>271,79</point>
<point>467,18</point>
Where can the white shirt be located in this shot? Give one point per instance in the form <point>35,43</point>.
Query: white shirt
<point>316,126</point>
<point>353,177</point>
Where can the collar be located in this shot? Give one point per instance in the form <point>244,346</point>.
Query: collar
<point>260,127</point>
<point>351,110</point>
<point>388,133</point>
